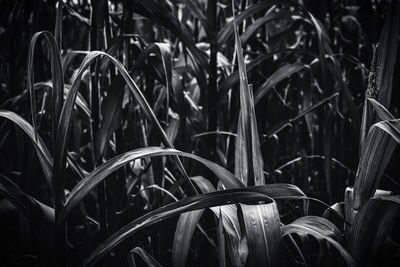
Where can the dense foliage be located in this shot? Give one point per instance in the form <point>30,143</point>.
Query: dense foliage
<point>195,133</point>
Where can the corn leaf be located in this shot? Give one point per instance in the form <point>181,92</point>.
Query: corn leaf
<point>226,33</point>
<point>101,172</point>
<point>58,25</point>
<point>187,204</point>
<point>263,231</point>
<point>183,235</point>
<point>377,151</point>
<point>248,158</point>
<point>278,76</point>
<point>221,241</point>
<point>380,110</point>
<point>57,78</point>
<point>322,225</point>
<point>387,54</point>
<point>63,126</point>
<point>111,118</point>
<point>163,51</point>
<point>45,158</point>
<point>371,228</point>
<point>318,232</point>
<point>186,225</point>
<point>269,17</point>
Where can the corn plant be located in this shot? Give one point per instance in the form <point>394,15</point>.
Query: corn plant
<point>187,133</point>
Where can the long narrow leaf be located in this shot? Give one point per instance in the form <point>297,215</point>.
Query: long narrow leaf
<point>248,157</point>
<point>57,78</point>
<point>63,126</point>
<point>382,137</point>
<point>146,257</point>
<point>188,204</point>
<point>99,174</point>
<point>371,228</point>
<point>45,158</point>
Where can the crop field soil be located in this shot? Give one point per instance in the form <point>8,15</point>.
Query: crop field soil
<point>199,133</point>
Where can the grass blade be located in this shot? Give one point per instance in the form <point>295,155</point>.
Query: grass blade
<point>45,158</point>
<point>101,172</point>
<point>221,241</point>
<point>188,204</point>
<point>248,158</point>
<point>227,215</point>
<point>57,79</point>
<point>225,34</point>
<point>381,111</point>
<point>58,26</point>
<point>322,225</point>
<point>387,54</point>
<point>269,17</point>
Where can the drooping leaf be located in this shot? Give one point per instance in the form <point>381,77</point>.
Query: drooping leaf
<point>184,205</point>
<point>101,172</point>
<point>144,255</point>
<point>317,232</point>
<point>57,79</point>
<point>63,126</point>
<point>321,225</point>
<point>45,158</point>
<point>381,111</point>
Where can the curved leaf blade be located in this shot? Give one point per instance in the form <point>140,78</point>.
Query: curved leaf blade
<point>188,204</point>
<point>99,174</point>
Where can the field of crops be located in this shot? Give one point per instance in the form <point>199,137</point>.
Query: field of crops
<point>199,133</point>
